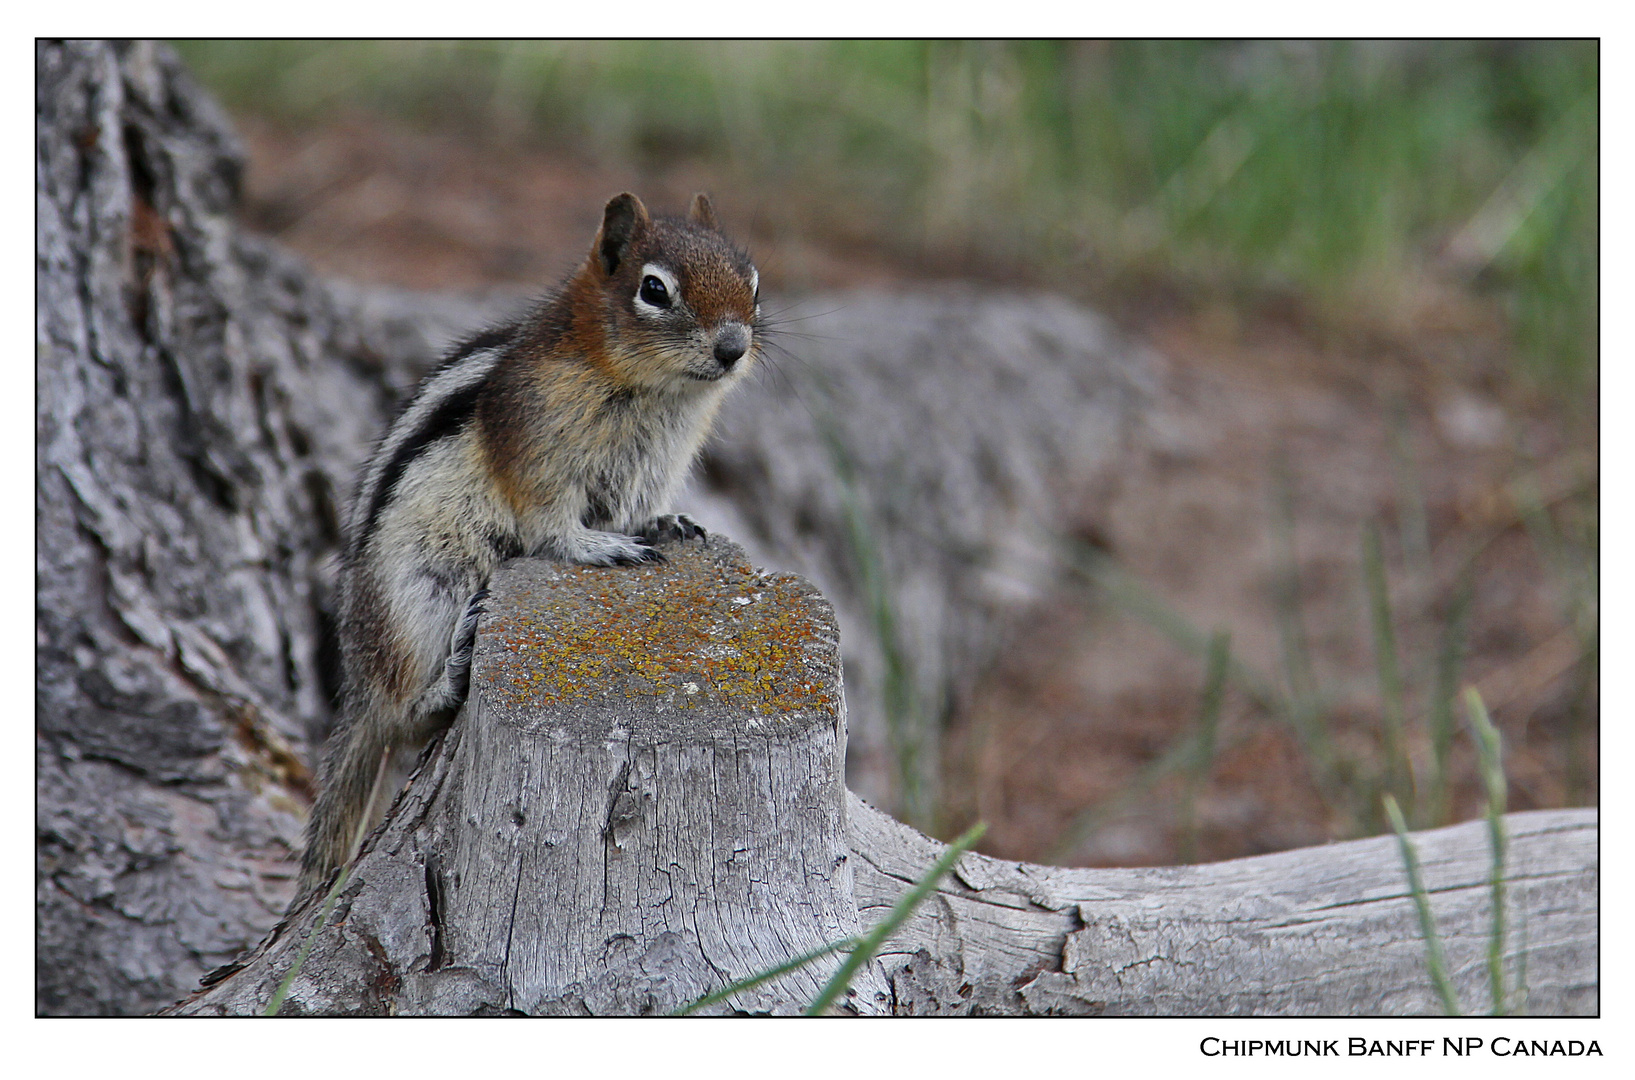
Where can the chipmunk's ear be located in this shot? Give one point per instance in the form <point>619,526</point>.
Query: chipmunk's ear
<point>624,219</point>
<point>702,213</point>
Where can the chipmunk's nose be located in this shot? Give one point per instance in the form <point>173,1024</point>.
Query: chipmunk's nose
<point>731,343</point>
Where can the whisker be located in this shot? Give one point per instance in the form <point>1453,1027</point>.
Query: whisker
<point>794,305</point>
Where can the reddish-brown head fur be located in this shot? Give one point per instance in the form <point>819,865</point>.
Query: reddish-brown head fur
<point>677,300</point>
<point>661,306</point>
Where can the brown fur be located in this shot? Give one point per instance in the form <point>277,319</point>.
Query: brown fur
<point>561,435</point>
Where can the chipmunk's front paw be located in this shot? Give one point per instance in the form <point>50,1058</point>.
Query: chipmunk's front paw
<point>592,547</point>
<point>639,551</point>
<point>667,527</point>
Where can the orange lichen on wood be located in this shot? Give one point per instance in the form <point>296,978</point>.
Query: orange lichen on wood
<point>700,630</point>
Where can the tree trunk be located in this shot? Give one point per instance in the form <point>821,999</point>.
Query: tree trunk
<point>642,803</point>
<point>204,402</point>
<point>191,447</point>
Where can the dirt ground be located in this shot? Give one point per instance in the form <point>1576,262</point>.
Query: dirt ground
<point>1272,420</point>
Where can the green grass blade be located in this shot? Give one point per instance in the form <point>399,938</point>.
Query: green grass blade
<point>1449,659</point>
<point>770,973</point>
<point>1141,157</point>
<point>1412,521</point>
<point>277,1001</point>
<point>1435,958</point>
<point>1518,996</point>
<point>895,918</point>
<point>1179,757</point>
<point>1130,596</point>
<point>1570,550</point>
<point>1209,711</point>
<point>907,716</point>
<point>1398,772</point>
<point>1305,697</point>
<point>1490,758</point>
<point>358,835</point>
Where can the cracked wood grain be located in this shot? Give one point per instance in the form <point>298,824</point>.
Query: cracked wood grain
<point>615,828</point>
<point>1319,931</point>
<point>204,401</point>
<point>624,828</point>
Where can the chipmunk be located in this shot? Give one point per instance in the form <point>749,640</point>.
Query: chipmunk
<point>560,435</point>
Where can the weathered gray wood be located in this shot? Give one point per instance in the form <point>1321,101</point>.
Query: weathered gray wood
<point>1318,931</point>
<point>204,403</point>
<point>643,803</point>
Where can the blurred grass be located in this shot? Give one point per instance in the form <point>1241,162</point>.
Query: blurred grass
<point>1345,174</point>
<point>1436,956</point>
<point>1401,756</point>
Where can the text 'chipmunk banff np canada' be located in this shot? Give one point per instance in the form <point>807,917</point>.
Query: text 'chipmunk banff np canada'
<point>562,434</point>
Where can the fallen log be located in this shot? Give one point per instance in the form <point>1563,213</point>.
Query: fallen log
<point>1325,931</point>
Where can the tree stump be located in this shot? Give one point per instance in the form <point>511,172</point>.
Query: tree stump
<point>640,803</point>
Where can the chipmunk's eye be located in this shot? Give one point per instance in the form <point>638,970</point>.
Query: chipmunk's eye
<point>653,292</point>
<point>659,292</point>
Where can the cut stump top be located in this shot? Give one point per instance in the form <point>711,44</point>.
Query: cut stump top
<point>699,647</point>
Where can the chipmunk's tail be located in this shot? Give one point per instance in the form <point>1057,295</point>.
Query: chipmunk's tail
<point>354,768</point>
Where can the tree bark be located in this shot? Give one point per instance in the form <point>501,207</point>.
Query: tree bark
<point>193,433</point>
<point>204,402</point>
<point>916,454</point>
<point>642,803</point>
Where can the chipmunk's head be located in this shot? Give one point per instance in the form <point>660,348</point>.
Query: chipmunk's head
<point>683,301</point>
